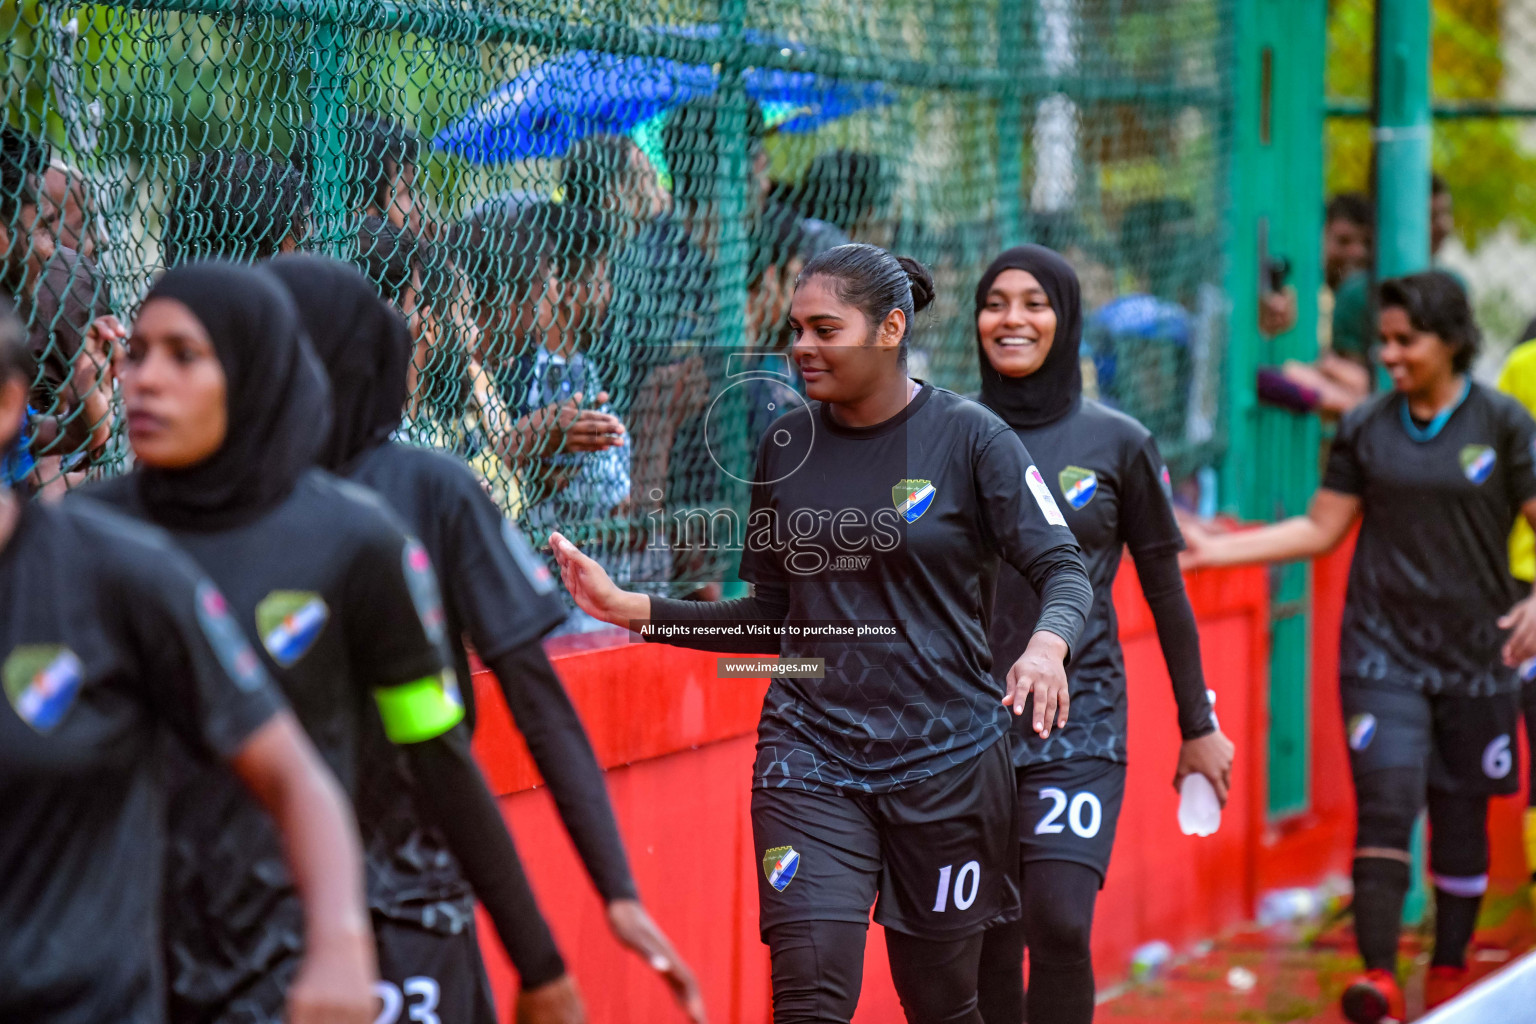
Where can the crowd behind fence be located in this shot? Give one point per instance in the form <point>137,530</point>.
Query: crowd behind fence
<point>593,211</point>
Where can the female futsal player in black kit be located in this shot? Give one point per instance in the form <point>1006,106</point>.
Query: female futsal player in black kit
<point>1105,468</point>
<point>111,640</point>
<point>1435,470</point>
<point>226,408</point>
<point>887,503</point>
<point>498,593</point>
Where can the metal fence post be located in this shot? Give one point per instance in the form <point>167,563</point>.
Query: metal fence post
<point>1013,36</point>
<point>1402,157</point>
<point>327,141</point>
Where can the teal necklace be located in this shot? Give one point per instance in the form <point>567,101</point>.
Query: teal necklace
<point>1432,429</point>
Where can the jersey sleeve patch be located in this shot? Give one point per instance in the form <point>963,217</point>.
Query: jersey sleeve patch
<point>422,710</point>
<point>41,682</point>
<point>229,644</point>
<point>422,584</point>
<point>1042,493</point>
<point>539,577</point>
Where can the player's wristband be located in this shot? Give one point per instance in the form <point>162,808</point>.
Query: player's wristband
<point>422,710</point>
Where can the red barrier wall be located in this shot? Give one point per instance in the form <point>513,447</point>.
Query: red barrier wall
<point>679,746</point>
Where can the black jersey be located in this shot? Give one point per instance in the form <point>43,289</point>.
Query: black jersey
<point>499,593</point>
<point>110,638</point>
<point>1430,576</point>
<point>1109,481</point>
<point>902,523</point>
<point>343,605</point>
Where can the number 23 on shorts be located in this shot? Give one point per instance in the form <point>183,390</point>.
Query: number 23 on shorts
<point>418,1001</point>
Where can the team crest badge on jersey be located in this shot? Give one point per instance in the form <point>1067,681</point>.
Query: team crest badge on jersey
<point>1477,462</point>
<point>424,593</point>
<point>539,577</point>
<point>1362,729</point>
<point>1167,482</point>
<point>1078,485</point>
<point>41,682</point>
<point>223,635</point>
<point>912,498</point>
<point>289,622</point>
<point>780,865</point>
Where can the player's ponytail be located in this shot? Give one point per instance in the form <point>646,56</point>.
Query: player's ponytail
<point>876,282</point>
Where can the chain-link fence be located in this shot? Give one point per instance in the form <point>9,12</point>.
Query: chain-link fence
<point>1483,86</point>
<point>603,207</point>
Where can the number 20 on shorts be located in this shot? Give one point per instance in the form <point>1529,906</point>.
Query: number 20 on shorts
<point>1081,805</point>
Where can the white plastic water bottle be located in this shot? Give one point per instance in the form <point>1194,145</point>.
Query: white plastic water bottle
<point>1199,809</point>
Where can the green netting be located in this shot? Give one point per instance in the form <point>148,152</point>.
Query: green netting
<point>612,200</point>
<point>1483,87</point>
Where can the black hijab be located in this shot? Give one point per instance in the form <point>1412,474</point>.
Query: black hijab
<point>1053,390</point>
<point>365,345</point>
<point>275,396</point>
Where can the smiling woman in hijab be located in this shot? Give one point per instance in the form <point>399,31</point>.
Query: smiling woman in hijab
<point>1113,488</point>
<point>227,409</point>
<point>499,595</point>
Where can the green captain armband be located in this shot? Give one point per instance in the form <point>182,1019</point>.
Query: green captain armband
<point>420,711</point>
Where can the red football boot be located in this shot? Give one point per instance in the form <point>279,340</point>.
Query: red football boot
<point>1374,998</point>
<point>1444,984</point>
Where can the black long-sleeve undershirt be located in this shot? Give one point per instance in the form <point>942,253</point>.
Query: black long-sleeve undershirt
<point>1163,586</point>
<point>560,747</point>
<point>453,795</point>
<point>769,604</point>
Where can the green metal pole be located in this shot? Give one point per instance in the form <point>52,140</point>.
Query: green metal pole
<point>1402,137</point>
<point>1013,35</point>
<point>1402,156</point>
<point>327,152</point>
<point>735,201</point>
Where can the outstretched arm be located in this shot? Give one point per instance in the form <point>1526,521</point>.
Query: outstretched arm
<point>1325,524</point>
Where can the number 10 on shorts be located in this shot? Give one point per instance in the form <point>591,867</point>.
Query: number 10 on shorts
<point>967,884</point>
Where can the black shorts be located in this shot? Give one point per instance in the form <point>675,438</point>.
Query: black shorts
<point>429,976</point>
<point>1466,744</point>
<point>941,855</point>
<point>1068,811</point>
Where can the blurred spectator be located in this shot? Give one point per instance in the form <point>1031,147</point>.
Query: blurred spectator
<point>1349,237</point>
<point>1141,342</point>
<point>776,264</point>
<point>1354,316</point>
<point>236,205</point>
<point>1333,384</point>
<point>73,354</point>
<point>846,188</point>
<point>381,156</point>
<point>70,216</point>
<point>612,174</point>
<point>452,402</point>
<point>24,248</point>
<point>1517,378</point>
<point>540,286</point>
